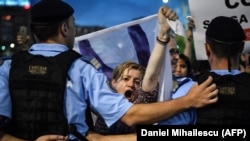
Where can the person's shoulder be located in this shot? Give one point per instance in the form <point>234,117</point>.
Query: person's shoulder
<point>92,61</point>
<point>4,58</point>
<point>243,74</point>
<point>204,75</point>
<point>243,77</point>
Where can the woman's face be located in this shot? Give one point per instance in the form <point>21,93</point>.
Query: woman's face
<point>128,84</point>
<point>181,68</point>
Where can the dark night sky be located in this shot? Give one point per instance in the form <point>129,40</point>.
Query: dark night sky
<point>113,12</point>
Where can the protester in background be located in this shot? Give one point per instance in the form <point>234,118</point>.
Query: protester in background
<point>245,57</point>
<point>189,39</point>
<point>174,53</point>
<point>198,66</point>
<point>224,45</point>
<point>23,38</point>
<point>245,62</point>
<point>242,64</point>
<point>183,77</point>
<point>52,22</point>
<point>183,67</point>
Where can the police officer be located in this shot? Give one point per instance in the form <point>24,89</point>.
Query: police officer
<point>224,44</point>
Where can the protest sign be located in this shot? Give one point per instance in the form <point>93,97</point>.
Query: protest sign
<point>203,11</point>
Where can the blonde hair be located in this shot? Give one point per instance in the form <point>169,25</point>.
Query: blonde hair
<point>118,71</point>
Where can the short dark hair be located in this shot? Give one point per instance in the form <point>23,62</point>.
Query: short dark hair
<point>44,32</point>
<point>223,50</point>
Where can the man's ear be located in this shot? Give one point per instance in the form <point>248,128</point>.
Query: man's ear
<point>208,49</point>
<point>63,29</point>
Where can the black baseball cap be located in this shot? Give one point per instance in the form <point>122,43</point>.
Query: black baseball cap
<point>50,11</point>
<point>225,29</point>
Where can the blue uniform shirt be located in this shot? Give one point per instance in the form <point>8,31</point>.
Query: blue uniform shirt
<point>226,72</point>
<point>187,117</point>
<point>86,85</point>
<point>5,102</point>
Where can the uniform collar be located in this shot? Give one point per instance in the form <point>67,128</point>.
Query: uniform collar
<point>48,47</point>
<point>226,72</point>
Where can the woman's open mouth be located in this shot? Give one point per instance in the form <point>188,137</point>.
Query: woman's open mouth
<point>128,94</point>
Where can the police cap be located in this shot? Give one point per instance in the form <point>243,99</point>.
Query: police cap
<point>225,29</point>
<point>50,11</point>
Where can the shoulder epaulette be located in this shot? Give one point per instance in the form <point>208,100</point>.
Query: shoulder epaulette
<point>93,61</point>
<point>2,59</point>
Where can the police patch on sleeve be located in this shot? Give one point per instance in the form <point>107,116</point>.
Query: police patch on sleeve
<point>93,61</point>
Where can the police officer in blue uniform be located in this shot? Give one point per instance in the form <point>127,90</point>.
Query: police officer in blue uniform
<point>87,85</point>
<point>225,40</point>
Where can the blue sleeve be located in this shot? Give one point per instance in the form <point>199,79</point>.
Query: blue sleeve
<point>183,89</point>
<point>89,85</point>
<point>187,117</point>
<point>5,102</point>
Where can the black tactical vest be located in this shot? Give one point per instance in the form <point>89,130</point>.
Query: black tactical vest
<point>233,106</point>
<point>37,86</point>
